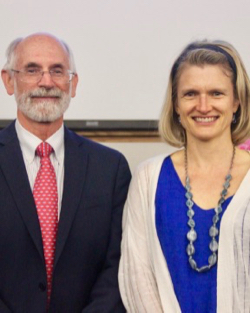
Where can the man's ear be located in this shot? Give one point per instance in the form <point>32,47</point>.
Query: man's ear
<point>74,83</point>
<point>8,81</point>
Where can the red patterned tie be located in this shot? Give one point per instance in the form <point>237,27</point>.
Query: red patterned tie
<point>46,199</point>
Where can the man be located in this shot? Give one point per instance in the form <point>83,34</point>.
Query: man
<point>60,212</point>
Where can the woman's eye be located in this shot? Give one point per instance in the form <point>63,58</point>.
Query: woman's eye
<point>189,94</point>
<point>217,93</point>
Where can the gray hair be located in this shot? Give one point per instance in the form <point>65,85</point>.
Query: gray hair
<point>11,54</point>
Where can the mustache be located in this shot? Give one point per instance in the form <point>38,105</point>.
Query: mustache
<point>43,92</point>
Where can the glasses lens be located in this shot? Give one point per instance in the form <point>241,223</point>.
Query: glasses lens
<point>34,76</point>
<point>29,75</point>
<point>60,76</point>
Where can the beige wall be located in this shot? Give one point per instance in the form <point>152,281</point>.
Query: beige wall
<point>136,152</point>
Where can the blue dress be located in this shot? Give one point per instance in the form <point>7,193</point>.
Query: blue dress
<point>195,292</point>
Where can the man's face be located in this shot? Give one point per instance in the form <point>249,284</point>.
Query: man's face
<point>45,100</point>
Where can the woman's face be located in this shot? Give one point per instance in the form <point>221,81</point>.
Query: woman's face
<point>206,102</point>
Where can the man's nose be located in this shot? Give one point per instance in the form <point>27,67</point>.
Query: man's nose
<point>46,80</point>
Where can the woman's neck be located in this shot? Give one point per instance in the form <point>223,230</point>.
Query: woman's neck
<point>207,154</point>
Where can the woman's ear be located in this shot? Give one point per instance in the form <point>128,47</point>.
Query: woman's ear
<point>236,105</point>
<point>176,109</point>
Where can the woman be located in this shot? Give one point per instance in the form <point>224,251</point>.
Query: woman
<point>186,239</point>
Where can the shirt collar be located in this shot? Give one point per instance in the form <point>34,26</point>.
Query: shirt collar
<point>29,142</point>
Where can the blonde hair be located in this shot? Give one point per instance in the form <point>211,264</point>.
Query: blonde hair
<point>201,53</point>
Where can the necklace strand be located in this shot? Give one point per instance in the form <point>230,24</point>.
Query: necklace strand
<point>213,231</point>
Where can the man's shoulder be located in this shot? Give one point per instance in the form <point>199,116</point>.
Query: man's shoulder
<point>8,133</point>
<point>90,145</point>
<point>100,157</point>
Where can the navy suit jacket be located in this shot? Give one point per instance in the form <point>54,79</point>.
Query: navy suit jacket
<point>87,253</point>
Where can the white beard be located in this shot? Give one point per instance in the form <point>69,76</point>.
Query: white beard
<point>45,110</point>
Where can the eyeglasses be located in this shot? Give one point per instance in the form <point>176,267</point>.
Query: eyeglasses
<point>34,75</point>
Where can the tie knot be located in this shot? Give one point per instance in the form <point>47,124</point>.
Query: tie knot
<point>44,150</point>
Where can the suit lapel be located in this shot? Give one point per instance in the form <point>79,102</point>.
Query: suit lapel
<point>75,166</point>
<point>13,168</point>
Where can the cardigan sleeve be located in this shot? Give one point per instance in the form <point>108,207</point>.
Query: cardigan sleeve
<point>233,288</point>
<point>136,278</point>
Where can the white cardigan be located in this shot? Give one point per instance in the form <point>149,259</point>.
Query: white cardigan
<point>144,279</point>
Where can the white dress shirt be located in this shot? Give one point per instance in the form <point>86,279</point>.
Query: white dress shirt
<point>29,143</point>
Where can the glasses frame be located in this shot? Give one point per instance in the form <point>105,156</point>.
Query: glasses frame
<point>72,74</point>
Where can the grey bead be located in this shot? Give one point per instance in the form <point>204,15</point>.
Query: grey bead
<point>189,203</point>
<point>190,213</point>
<point>203,269</point>
<point>190,249</point>
<point>192,235</point>
<point>224,192</point>
<point>191,222</point>
<point>215,219</point>
<point>218,209</point>
<point>221,201</point>
<point>212,259</point>
<point>227,184</point>
<point>213,231</point>
<point>213,245</point>
<point>188,195</point>
<point>192,263</point>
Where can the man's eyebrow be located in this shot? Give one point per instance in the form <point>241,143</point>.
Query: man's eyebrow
<point>32,64</point>
<point>57,65</point>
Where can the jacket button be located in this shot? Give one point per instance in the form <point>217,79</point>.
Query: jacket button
<point>42,287</point>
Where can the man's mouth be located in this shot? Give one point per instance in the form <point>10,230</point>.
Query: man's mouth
<point>45,97</point>
<point>45,94</point>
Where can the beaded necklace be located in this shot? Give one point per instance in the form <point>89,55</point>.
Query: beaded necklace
<point>213,231</point>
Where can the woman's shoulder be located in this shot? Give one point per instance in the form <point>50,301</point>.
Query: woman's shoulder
<point>147,172</point>
<point>240,169</point>
<point>157,160</point>
<point>243,158</point>
<point>151,164</point>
